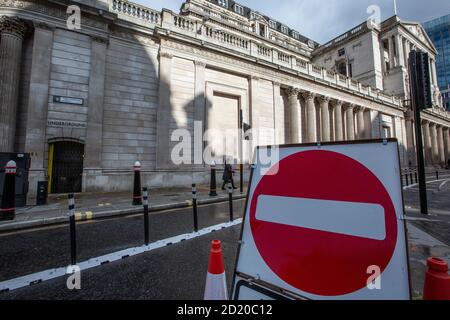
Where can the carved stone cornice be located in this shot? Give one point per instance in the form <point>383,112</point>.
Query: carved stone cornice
<point>292,92</point>
<point>13,25</point>
<point>42,7</point>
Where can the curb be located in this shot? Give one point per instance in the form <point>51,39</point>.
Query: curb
<point>43,222</point>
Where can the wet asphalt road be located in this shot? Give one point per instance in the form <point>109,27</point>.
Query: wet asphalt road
<point>174,272</point>
<point>141,277</point>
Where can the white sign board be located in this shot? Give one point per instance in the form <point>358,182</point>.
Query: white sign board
<point>326,222</point>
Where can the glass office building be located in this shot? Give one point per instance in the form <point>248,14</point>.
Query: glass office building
<point>439,32</point>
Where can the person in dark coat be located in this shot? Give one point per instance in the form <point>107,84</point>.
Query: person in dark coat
<point>228,176</point>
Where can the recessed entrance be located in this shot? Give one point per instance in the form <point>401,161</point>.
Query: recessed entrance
<point>65,166</point>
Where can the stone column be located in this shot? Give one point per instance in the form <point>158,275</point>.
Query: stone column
<point>360,122</point>
<point>279,114</point>
<point>295,115</point>
<point>441,147</point>
<point>368,123</point>
<point>254,111</point>
<point>391,52</point>
<point>427,142</point>
<point>434,144</point>
<point>36,124</point>
<point>199,111</point>
<point>400,51</point>
<point>94,130</point>
<point>446,132</point>
<point>350,120</point>
<point>163,160</point>
<point>311,124</point>
<point>325,114</point>
<point>12,30</point>
<point>338,121</point>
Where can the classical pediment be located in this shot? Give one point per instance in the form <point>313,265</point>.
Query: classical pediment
<point>418,31</point>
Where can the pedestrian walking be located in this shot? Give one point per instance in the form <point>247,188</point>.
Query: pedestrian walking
<point>228,176</point>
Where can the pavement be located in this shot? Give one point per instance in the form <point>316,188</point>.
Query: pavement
<point>103,205</point>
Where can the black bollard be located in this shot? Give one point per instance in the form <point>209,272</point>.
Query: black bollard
<point>411,177</point>
<point>145,201</point>
<point>437,175</point>
<point>415,175</point>
<point>213,185</point>
<point>230,200</point>
<point>407,181</point>
<point>8,205</point>
<point>137,196</point>
<point>241,177</point>
<point>73,235</point>
<point>194,206</point>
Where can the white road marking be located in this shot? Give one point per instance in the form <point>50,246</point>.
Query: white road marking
<point>364,220</point>
<point>49,274</point>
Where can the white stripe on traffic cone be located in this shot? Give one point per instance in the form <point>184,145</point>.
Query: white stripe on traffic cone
<point>216,284</point>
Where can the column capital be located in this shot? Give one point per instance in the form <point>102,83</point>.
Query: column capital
<point>291,91</point>
<point>13,25</point>
<point>337,103</point>
<point>324,99</point>
<point>43,26</point>
<point>359,108</point>
<point>254,78</point>
<point>167,55</point>
<point>308,95</point>
<point>200,63</point>
<point>351,106</point>
<point>102,40</point>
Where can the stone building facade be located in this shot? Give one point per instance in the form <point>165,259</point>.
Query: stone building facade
<point>95,100</point>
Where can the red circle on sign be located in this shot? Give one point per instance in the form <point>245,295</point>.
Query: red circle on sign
<point>314,261</point>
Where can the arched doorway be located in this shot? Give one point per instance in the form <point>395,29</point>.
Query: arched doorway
<point>65,166</point>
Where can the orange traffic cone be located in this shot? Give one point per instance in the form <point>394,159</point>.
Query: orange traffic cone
<point>437,280</point>
<point>216,284</point>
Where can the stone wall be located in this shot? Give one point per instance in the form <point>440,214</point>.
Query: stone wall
<point>130,104</point>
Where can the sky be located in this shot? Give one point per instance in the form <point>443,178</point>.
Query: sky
<point>323,20</point>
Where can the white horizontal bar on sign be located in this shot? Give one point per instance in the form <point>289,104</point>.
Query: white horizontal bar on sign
<point>364,220</point>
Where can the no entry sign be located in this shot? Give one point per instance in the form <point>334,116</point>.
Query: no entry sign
<point>323,218</point>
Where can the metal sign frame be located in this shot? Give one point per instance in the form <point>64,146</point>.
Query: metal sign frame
<point>269,286</point>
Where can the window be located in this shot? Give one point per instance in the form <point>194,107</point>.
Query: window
<point>262,30</point>
<point>284,29</point>
<point>223,3</point>
<point>341,52</point>
<point>295,34</point>
<point>252,16</point>
<point>273,24</point>
<point>386,132</point>
<point>341,68</point>
<point>350,70</point>
<point>238,9</point>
